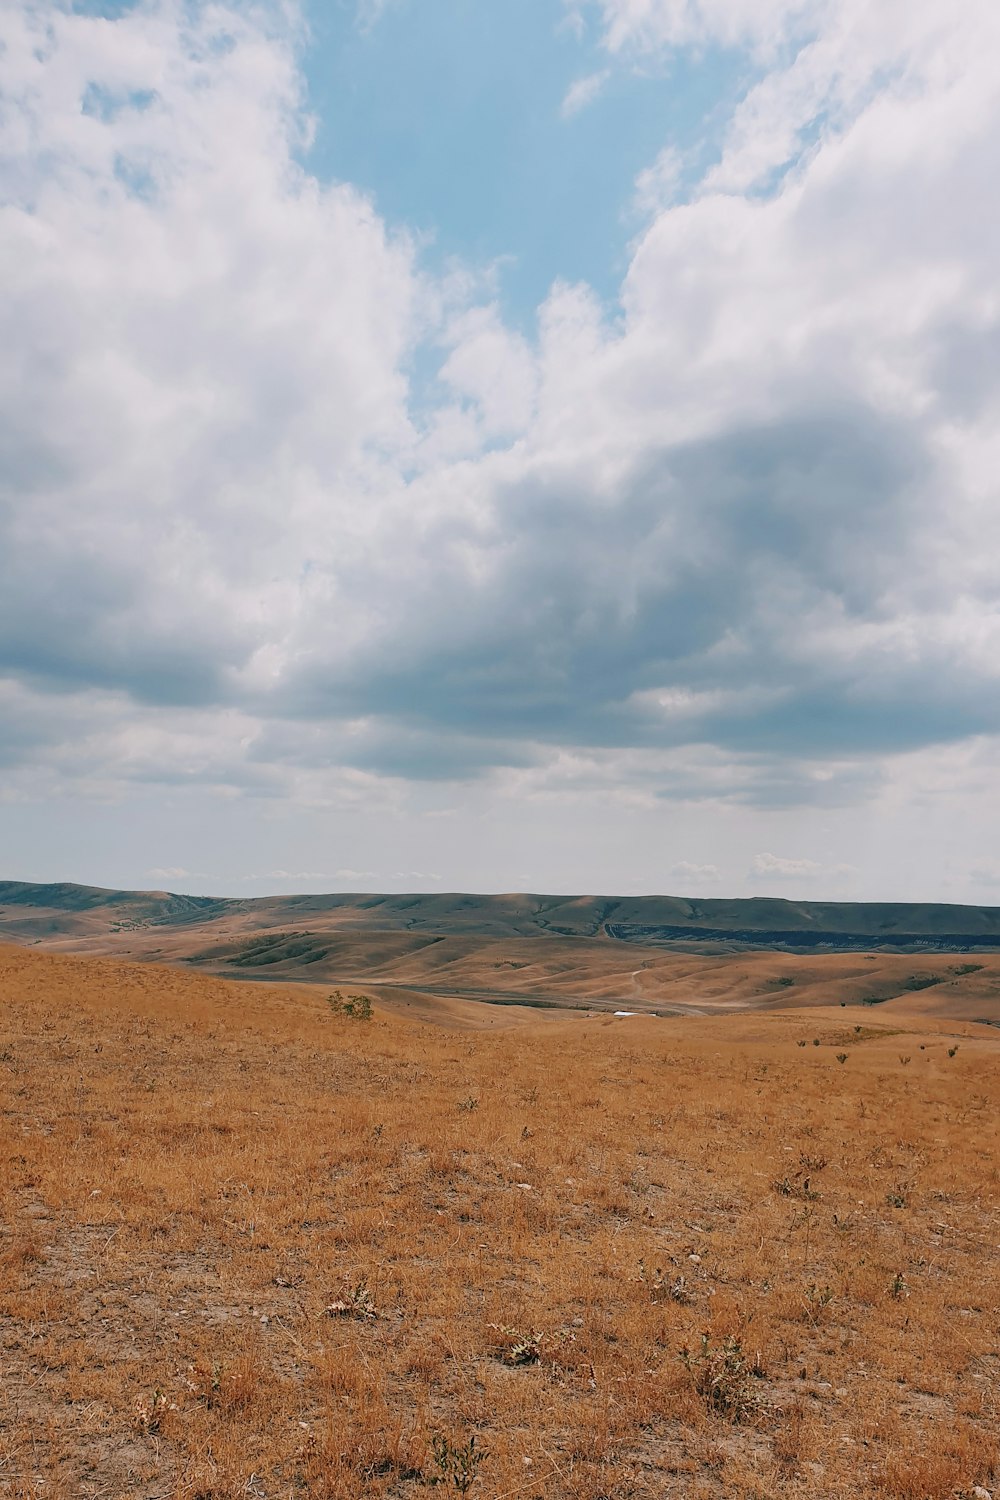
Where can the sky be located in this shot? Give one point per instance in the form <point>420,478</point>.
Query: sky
<point>496,445</point>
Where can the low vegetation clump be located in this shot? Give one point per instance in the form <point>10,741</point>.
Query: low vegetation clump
<point>725,1377</point>
<point>455,1465</point>
<point>358,1007</point>
<point>251,1248</point>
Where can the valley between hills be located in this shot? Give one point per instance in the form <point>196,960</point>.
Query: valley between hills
<point>446,956</point>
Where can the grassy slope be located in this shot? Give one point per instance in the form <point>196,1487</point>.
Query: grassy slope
<point>194,1171</point>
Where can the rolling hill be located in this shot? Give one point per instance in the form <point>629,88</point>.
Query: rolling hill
<point>662,954</point>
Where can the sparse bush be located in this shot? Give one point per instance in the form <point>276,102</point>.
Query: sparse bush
<point>798,1186</point>
<point>818,1299</point>
<point>725,1378</point>
<point>516,1348</point>
<point>663,1287</point>
<point>205,1381</point>
<point>148,1412</point>
<point>457,1464</point>
<point>358,1007</point>
<point>357,1303</point>
<point>513,1346</point>
<point>841,1057</point>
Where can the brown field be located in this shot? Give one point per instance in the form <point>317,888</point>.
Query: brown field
<point>253,1246</point>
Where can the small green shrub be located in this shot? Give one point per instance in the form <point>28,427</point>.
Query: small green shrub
<point>358,1007</point>
<point>457,1464</point>
<point>818,1299</point>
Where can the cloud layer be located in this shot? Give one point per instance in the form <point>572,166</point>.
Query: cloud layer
<point>735,538</point>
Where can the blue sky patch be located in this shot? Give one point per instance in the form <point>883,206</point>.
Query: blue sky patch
<point>450,113</point>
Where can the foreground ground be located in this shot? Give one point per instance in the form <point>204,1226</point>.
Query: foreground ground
<point>253,1245</point>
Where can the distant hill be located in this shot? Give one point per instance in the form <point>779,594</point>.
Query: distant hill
<point>673,921</point>
<point>64,896</point>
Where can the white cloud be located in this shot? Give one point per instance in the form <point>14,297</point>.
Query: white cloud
<point>583,93</point>
<point>693,874</point>
<point>651,24</point>
<point>775,867</point>
<point>573,20</point>
<point>822,63</point>
<point>767,868</point>
<point>736,545</point>
<point>493,368</point>
<point>370,12</point>
<point>656,187</point>
<point>215,339</point>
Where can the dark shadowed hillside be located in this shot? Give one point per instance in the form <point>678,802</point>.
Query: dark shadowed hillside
<point>758,921</point>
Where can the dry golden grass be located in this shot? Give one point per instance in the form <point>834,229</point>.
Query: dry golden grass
<point>253,1247</point>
